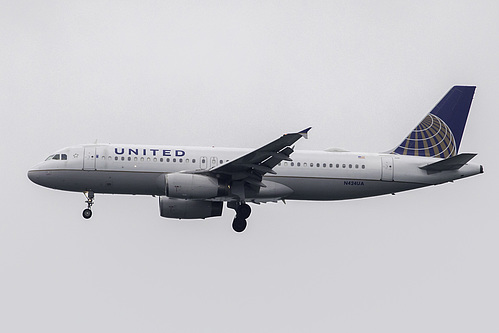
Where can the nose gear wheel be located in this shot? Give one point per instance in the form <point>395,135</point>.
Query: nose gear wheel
<point>87,212</point>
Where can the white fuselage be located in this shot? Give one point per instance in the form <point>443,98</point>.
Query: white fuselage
<point>312,175</point>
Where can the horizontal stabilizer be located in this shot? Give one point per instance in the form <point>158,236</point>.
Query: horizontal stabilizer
<point>451,163</point>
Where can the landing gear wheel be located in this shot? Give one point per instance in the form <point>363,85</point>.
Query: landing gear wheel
<point>239,224</point>
<point>87,213</point>
<point>89,195</point>
<point>243,211</point>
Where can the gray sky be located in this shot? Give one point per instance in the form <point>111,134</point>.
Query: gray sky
<point>362,73</point>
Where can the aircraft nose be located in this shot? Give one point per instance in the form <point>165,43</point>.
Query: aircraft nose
<point>36,176</point>
<point>32,175</point>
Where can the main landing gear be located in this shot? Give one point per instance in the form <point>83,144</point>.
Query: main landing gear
<point>89,195</point>
<point>243,211</point>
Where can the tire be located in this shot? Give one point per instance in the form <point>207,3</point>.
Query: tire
<point>239,224</point>
<point>87,213</point>
<point>244,211</point>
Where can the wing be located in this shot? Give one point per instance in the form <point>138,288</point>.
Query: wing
<point>249,169</point>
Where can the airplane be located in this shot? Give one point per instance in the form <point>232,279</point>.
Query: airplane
<point>194,182</point>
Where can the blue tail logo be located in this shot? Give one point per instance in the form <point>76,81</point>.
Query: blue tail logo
<point>440,132</point>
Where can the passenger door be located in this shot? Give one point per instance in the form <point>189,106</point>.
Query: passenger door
<point>387,168</point>
<point>89,158</point>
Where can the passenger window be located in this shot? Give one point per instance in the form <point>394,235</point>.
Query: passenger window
<point>324,165</point>
<point>221,161</point>
<point>356,166</point>
<point>330,165</point>
<point>129,158</point>
<point>305,164</point>
<point>292,164</point>
<point>174,160</point>
<point>285,163</point>
<point>179,160</point>
<point>161,159</point>
<point>116,158</point>
<point>350,166</point>
<point>298,164</point>
<point>122,158</point>
<point>343,166</point>
<point>148,159</point>
<point>337,165</point>
<point>193,160</point>
<point>168,159</point>
<point>363,166</point>
<point>135,159</point>
<point>311,165</point>
<point>142,159</point>
<point>155,159</point>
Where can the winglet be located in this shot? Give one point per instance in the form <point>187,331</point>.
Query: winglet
<point>304,133</point>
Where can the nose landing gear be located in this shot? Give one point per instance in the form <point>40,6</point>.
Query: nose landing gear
<point>87,213</point>
<point>243,211</point>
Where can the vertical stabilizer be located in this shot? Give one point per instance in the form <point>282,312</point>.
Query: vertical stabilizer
<point>440,132</point>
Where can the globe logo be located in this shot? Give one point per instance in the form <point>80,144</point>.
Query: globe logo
<point>431,138</point>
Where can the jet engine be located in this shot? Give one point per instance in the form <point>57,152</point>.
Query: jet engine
<point>188,209</point>
<point>192,186</point>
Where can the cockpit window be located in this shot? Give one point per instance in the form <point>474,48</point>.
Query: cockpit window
<point>63,157</point>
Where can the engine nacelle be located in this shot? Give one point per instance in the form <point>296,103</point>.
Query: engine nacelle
<point>192,186</point>
<point>188,209</point>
